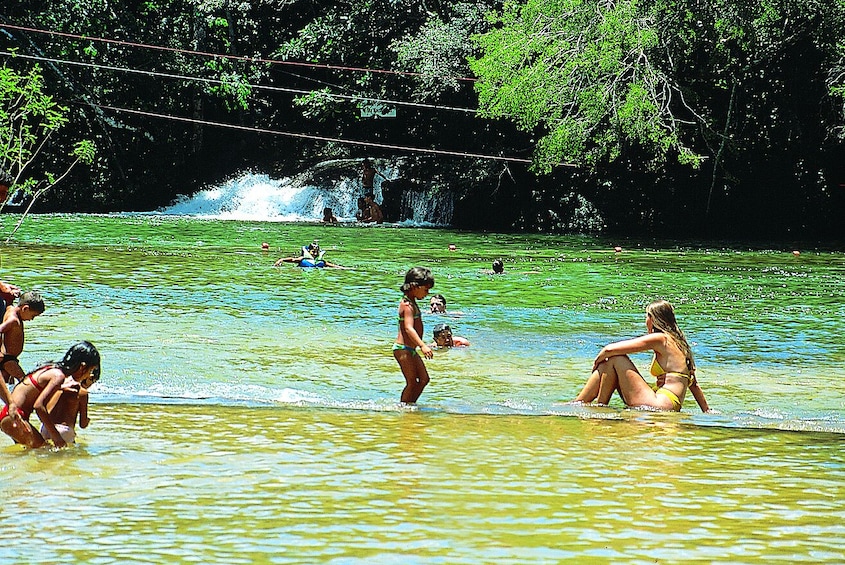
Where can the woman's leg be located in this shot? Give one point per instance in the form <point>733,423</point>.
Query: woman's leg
<point>591,388</point>
<point>604,381</point>
<point>620,374</point>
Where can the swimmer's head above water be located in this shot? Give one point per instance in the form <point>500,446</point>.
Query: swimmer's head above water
<point>443,335</point>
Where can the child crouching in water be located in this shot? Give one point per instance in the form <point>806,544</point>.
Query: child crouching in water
<point>69,404</point>
<point>418,281</point>
<point>81,363</point>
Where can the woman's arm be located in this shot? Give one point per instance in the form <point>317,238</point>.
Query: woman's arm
<point>647,342</point>
<point>698,394</point>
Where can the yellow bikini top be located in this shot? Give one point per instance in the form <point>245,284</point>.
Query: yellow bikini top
<point>658,371</point>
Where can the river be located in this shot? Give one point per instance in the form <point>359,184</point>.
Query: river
<point>249,413</point>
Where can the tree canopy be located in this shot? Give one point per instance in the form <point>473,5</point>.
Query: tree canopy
<point>706,117</point>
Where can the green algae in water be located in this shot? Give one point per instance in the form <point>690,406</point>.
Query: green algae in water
<point>249,413</point>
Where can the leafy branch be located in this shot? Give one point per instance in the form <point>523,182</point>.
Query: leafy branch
<point>30,118</point>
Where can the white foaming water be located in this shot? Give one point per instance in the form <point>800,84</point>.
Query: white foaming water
<point>257,197</point>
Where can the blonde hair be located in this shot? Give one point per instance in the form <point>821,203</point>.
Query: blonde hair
<point>663,320</point>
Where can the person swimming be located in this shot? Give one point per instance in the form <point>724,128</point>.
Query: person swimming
<point>310,256</point>
<point>443,337</point>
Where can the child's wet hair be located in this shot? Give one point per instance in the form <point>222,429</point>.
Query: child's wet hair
<point>32,299</point>
<point>441,328</point>
<point>498,266</point>
<point>417,277</point>
<point>82,352</point>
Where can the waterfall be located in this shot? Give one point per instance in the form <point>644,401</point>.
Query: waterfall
<point>332,184</point>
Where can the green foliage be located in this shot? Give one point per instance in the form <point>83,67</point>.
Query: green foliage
<point>636,92</point>
<point>580,73</point>
<point>30,118</point>
<point>233,87</point>
<point>85,151</point>
<point>320,105</point>
<point>439,50</point>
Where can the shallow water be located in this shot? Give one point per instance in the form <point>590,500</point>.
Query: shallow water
<point>248,414</point>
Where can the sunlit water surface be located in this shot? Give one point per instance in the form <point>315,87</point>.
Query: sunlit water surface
<point>249,414</point>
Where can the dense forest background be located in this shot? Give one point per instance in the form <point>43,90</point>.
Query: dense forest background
<point>693,118</point>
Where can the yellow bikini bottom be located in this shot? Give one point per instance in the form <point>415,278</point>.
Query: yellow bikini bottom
<point>676,402</point>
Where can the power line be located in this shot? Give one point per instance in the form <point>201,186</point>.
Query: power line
<point>220,82</point>
<point>274,62</point>
<point>316,137</point>
<point>231,57</point>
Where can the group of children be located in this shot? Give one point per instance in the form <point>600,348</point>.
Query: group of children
<point>57,391</point>
<point>369,212</point>
<point>613,371</point>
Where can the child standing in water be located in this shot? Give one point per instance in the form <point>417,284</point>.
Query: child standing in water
<point>30,304</point>
<point>418,281</point>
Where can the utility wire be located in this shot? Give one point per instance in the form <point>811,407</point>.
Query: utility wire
<point>274,62</point>
<point>220,82</point>
<point>230,57</point>
<point>315,137</point>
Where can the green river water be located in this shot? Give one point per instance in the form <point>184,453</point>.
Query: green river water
<point>249,413</point>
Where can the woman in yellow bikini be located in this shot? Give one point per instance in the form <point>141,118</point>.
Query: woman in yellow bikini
<point>673,365</point>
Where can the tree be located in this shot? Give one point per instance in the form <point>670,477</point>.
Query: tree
<point>30,118</point>
<point>580,74</point>
<point>729,110</point>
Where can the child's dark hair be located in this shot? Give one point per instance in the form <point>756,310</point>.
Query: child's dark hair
<point>417,277</point>
<point>82,352</point>
<point>498,266</point>
<point>32,299</point>
<point>440,328</point>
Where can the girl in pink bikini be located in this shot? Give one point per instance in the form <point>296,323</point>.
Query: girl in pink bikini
<point>81,364</point>
<point>673,366</point>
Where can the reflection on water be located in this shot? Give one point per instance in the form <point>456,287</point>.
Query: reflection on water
<point>249,413</point>
<point>160,484</point>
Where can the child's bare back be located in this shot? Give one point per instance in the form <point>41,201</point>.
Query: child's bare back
<point>65,406</point>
